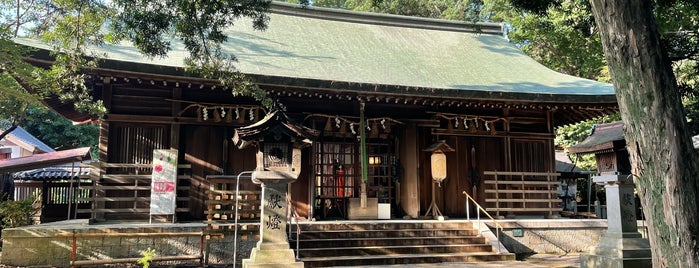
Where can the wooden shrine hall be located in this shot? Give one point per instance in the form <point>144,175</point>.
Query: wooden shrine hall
<point>405,82</point>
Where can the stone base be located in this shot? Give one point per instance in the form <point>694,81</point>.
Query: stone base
<point>619,250</point>
<point>272,258</point>
<point>607,261</point>
<point>355,211</point>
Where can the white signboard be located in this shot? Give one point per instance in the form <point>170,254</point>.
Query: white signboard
<point>164,182</point>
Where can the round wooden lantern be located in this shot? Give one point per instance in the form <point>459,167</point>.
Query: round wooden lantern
<point>438,162</point>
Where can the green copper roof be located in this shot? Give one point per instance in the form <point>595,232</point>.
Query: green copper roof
<point>353,47</point>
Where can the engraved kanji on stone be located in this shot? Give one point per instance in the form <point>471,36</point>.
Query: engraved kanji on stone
<point>273,222</point>
<point>274,201</point>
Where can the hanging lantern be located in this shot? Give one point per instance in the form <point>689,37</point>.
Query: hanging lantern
<point>438,161</point>
<point>438,164</point>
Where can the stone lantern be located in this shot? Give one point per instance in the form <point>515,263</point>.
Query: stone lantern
<point>279,141</point>
<point>622,245</point>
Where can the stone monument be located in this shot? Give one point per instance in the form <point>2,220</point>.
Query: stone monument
<point>622,245</point>
<point>279,141</point>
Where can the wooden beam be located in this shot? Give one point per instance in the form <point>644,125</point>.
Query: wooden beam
<point>467,133</point>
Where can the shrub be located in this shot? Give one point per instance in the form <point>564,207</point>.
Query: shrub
<point>18,213</point>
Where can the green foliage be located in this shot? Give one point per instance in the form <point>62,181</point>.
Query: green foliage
<point>573,134</point>
<point>14,99</point>
<point>146,257</point>
<point>152,26</point>
<point>442,9</point>
<point>18,213</point>
<point>68,26</point>
<point>58,132</point>
<point>73,27</point>
<point>562,35</point>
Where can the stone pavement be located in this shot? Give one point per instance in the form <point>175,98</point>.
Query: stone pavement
<point>536,261</point>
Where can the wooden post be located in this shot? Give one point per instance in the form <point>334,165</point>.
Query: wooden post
<point>497,196</point>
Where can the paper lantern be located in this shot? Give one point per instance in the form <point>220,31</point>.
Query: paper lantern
<point>438,162</point>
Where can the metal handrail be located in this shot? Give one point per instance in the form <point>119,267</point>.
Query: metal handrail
<point>498,227</point>
<point>294,215</point>
<point>235,232</point>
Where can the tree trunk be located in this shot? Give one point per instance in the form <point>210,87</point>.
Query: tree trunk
<point>7,131</point>
<point>664,162</point>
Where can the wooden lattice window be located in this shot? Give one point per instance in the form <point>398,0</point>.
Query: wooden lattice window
<point>335,169</point>
<point>135,144</point>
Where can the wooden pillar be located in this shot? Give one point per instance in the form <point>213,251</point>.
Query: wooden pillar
<point>175,133</point>
<point>409,155</point>
<point>103,154</point>
<point>174,126</point>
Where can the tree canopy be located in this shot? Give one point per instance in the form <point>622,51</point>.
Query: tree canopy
<point>73,27</point>
<point>562,35</point>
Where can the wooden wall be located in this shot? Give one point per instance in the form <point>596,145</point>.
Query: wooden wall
<point>463,168</point>
<point>171,115</point>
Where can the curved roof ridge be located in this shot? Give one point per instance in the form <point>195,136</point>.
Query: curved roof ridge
<point>386,19</point>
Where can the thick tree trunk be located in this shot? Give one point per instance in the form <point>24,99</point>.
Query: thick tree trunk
<point>664,162</point>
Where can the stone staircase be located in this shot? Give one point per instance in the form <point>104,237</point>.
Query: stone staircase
<point>362,243</point>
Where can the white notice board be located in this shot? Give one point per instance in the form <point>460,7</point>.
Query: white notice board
<point>163,182</point>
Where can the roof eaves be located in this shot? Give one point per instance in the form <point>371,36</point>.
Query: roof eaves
<point>595,148</point>
<point>27,137</point>
<point>171,73</point>
<point>385,19</point>
<point>44,160</point>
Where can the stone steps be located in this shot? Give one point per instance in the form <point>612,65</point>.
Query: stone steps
<point>391,259</point>
<point>393,250</point>
<point>361,243</point>
<point>388,233</point>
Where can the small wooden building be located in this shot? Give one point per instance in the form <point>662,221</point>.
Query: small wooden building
<point>411,81</point>
<point>608,144</point>
<point>56,178</point>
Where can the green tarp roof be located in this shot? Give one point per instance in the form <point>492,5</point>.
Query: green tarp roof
<point>354,47</point>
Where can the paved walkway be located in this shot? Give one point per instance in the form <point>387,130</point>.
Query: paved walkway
<point>537,261</point>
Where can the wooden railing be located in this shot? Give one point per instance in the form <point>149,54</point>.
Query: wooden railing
<point>521,192</point>
<point>125,189</point>
<point>226,199</point>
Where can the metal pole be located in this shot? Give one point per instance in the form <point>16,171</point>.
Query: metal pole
<point>75,211</point>
<point>468,210</point>
<point>235,232</point>
<point>497,229</point>
<point>70,189</point>
<point>589,193</point>
<point>479,223</point>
